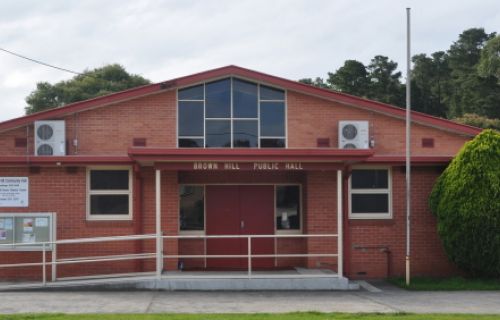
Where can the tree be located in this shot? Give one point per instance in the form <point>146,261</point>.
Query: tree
<point>384,84</point>
<point>94,83</point>
<point>465,201</point>
<point>430,79</point>
<point>471,93</point>
<point>318,82</point>
<point>475,120</point>
<point>351,78</point>
<point>489,62</point>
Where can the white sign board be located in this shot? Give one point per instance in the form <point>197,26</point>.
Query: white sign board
<point>14,192</point>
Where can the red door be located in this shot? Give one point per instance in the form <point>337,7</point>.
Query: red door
<point>239,210</point>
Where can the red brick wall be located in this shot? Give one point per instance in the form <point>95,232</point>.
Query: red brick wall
<point>154,117</point>
<point>310,118</point>
<point>321,218</point>
<point>55,190</point>
<point>367,239</point>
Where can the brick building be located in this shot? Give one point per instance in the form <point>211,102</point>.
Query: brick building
<point>228,151</point>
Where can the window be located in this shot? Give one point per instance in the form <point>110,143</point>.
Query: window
<point>29,228</point>
<point>191,208</point>
<point>288,207</point>
<point>231,113</point>
<point>109,195</point>
<point>370,194</point>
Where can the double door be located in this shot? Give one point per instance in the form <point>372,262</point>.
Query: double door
<point>239,210</point>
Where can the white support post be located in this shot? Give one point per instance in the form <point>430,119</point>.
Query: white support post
<point>54,260</point>
<point>44,265</point>
<point>159,240</point>
<point>340,243</point>
<point>249,256</point>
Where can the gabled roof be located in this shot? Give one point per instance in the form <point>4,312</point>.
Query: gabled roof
<point>232,70</point>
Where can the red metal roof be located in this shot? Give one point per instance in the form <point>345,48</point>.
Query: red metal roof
<point>245,73</point>
<point>152,155</point>
<point>279,155</point>
<point>71,160</point>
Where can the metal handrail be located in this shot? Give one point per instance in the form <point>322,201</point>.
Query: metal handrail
<point>138,256</point>
<point>249,256</point>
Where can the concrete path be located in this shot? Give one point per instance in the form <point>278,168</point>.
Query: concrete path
<point>390,299</point>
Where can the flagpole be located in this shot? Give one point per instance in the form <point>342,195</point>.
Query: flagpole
<point>408,145</point>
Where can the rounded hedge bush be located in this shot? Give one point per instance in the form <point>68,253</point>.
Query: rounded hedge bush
<point>466,201</point>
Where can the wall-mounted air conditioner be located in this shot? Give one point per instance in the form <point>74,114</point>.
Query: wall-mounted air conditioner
<point>353,135</point>
<point>50,138</point>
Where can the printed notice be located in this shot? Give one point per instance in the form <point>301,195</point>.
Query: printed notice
<point>28,238</point>
<point>8,223</point>
<point>42,222</point>
<point>28,225</point>
<point>3,234</point>
<point>14,191</point>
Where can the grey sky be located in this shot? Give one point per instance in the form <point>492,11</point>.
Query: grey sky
<point>165,39</point>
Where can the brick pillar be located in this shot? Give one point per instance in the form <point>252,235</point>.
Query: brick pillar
<point>321,217</point>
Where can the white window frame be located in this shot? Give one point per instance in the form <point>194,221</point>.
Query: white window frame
<point>231,119</point>
<point>193,232</point>
<point>388,191</point>
<point>52,230</point>
<point>301,212</point>
<point>129,192</point>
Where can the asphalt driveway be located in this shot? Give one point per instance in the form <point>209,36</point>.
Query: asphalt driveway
<point>390,299</point>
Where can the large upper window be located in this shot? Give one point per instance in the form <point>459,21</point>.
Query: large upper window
<point>370,194</point>
<point>231,113</point>
<point>109,194</point>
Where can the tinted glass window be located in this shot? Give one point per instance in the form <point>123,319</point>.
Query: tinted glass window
<point>370,203</point>
<point>287,207</point>
<point>218,100</point>
<point>369,179</point>
<point>272,143</point>
<point>190,143</point>
<point>192,207</point>
<point>190,118</point>
<point>244,99</point>
<point>109,179</point>
<point>109,204</point>
<point>218,134</point>
<point>245,133</point>
<point>191,93</point>
<point>268,93</point>
<point>272,119</point>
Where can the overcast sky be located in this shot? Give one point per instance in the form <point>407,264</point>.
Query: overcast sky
<point>161,40</point>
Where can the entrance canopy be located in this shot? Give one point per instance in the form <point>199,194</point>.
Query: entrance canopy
<point>248,159</point>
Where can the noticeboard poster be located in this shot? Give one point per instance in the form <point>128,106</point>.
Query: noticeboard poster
<point>14,192</point>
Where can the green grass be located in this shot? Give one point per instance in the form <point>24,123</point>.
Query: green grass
<point>281,316</point>
<point>447,284</point>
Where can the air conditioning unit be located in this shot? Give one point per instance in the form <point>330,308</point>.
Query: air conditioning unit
<point>353,135</point>
<point>50,138</point>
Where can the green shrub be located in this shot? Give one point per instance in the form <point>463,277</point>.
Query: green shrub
<point>466,201</point>
<point>475,120</point>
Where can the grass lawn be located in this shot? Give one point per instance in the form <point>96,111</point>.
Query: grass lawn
<point>457,283</point>
<point>282,316</point>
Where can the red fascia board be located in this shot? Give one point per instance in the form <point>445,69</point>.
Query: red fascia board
<point>246,73</point>
<point>56,161</point>
<point>313,155</point>
<point>415,160</point>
